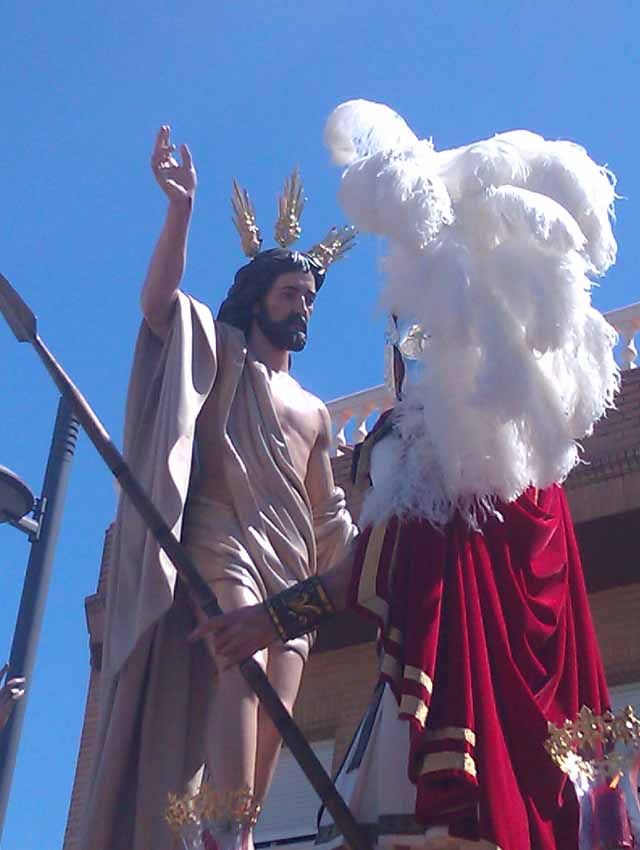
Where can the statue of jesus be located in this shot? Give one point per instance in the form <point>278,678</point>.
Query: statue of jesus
<point>236,454</point>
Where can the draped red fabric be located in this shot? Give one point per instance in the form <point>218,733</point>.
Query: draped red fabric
<point>486,637</point>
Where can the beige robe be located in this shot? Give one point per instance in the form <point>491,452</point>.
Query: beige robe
<point>153,684</point>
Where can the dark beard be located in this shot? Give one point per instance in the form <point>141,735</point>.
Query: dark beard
<point>287,334</point>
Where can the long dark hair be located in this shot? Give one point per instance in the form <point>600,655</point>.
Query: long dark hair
<point>253,281</point>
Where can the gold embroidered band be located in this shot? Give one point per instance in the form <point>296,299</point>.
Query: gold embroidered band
<point>395,635</point>
<point>451,733</point>
<point>415,674</point>
<point>448,761</point>
<point>480,844</point>
<point>299,609</point>
<point>415,707</point>
<point>391,667</point>
<point>367,592</point>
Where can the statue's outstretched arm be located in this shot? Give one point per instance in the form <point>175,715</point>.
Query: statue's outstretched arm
<point>178,181</point>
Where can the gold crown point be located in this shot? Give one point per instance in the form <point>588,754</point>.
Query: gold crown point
<point>244,219</point>
<point>290,206</point>
<point>334,246</point>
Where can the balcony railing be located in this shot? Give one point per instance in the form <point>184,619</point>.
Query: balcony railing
<point>350,414</point>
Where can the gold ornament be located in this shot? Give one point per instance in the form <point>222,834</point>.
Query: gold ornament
<point>290,206</point>
<point>413,343</point>
<point>182,811</point>
<point>334,245</point>
<point>589,728</point>
<point>211,804</point>
<point>245,220</point>
<point>585,747</point>
<point>288,229</point>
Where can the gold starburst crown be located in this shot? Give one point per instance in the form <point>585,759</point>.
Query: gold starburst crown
<point>287,229</point>
<point>210,803</point>
<point>586,746</point>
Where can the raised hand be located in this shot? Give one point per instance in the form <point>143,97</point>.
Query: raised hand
<point>177,180</point>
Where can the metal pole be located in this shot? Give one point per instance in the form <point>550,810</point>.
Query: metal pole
<point>36,585</point>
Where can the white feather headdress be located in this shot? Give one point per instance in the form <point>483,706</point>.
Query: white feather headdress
<point>492,251</point>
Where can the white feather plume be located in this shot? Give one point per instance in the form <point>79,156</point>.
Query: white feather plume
<point>491,248</point>
<point>397,196</point>
<point>358,128</point>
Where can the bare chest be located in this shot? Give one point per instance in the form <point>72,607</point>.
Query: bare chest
<point>298,416</point>
<point>299,419</point>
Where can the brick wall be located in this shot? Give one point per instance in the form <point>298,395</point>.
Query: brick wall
<point>94,609</point>
<point>335,691</point>
<point>618,432</point>
<point>609,482</point>
<point>616,614</point>
<point>83,765</point>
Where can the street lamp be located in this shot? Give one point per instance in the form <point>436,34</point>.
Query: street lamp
<point>16,502</point>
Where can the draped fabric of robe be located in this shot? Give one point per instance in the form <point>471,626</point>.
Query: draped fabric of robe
<point>153,684</point>
<point>485,637</point>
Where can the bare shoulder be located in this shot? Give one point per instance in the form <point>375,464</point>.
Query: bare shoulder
<point>159,316</point>
<point>319,479</point>
<point>324,420</point>
<point>317,408</point>
<point>323,424</point>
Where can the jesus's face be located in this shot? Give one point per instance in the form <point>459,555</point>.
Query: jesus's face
<point>284,312</point>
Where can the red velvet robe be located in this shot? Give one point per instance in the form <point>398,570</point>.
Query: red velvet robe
<point>486,637</point>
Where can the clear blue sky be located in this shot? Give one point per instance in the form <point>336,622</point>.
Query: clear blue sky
<point>248,85</point>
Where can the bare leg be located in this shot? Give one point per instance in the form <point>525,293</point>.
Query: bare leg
<point>241,744</point>
<point>284,669</point>
<point>232,727</point>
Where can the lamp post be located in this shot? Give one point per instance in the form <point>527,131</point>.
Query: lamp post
<point>16,501</point>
